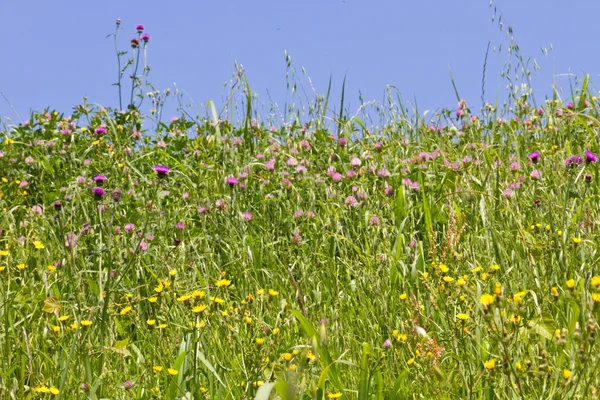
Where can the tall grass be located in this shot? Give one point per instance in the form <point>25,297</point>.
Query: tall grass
<point>448,257</point>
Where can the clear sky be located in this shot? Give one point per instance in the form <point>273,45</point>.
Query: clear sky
<point>55,52</point>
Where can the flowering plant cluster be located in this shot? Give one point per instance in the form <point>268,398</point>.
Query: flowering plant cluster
<point>197,259</point>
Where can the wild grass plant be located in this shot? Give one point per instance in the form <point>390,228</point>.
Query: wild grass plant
<point>322,258</point>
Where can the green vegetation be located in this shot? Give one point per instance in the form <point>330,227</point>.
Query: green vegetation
<point>327,257</point>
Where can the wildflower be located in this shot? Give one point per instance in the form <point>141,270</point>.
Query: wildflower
<point>411,361</point>
<point>486,299</point>
<point>260,341</point>
<point>448,279</point>
<point>222,283</point>
<point>86,322</point>
<point>335,395</point>
<point>462,317</point>
<point>98,193</point>
<point>125,310</point>
<point>490,364</point>
<point>38,245</point>
<point>161,170</point>
<point>535,174</point>
<point>157,369</point>
<point>275,331</point>
<point>566,373</point>
<point>101,130</point>
<point>571,283</point>
<point>444,268</point>
<point>146,38</point>
<point>534,157</point>
<point>596,297</point>
<point>127,385</point>
<point>3,253</point>
<point>273,292</point>
<point>387,344</point>
<point>596,281</point>
<point>576,240</point>
<point>199,308</point>
<point>590,157</point>
<point>573,161</point>
<point>247,216</point>
<point>116,195</point>
<point>172,371</point>
<point>151,322</point>
<point>231,181</point>
<point>99,179</point>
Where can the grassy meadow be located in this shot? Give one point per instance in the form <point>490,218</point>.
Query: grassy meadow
<point>321,258</point>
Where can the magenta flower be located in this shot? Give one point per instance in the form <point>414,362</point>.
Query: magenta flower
<point>57,205</point>
<point>135,42</point>
<point>351,202</point>
<point>535,174</point>
<point>534,157</point>
<point>573,161</point>
<point>98,192</point>
<point>129,228</point>
<point>101,130</point>
<point>342,142</point>
<point>231,181</point>
<point>590,157</point>
<point>127,385</point>
<point>140,28</point>
<point>247,216</point>
<point>161,170</point>
<point>146,38</point>
<point>180,225</point>
<point>99,179</point>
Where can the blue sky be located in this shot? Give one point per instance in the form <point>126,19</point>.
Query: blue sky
<point>54,53</point>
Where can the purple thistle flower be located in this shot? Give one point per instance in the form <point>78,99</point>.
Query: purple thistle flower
<point>590,157</point>
<point>98,192</point>
<point>135,42</point>
<point>534,157</point>
<point>140,28</point>
<point>161,170</point>
<point>588,178</point>
<point>573,161</point>
<point>99,179</point>
<point>101,130</point>
<point>231,181</point>
<point>146,38</point>
<point>116,195</point>
<point>57,205</point>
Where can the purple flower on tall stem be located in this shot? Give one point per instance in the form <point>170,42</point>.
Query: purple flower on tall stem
<point>135,42</point>
<point>98,192</point>
<point>99,179</point>
<point>146,38</point>
<point>231,181</point>
<point>573,161</point>
<point>588,178</point>
<point>116,195</point>
<point>590,157</point>
<point>534,157</point>
<point>161,170</point>
<point>140,28</point>
<point>101,130</point>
